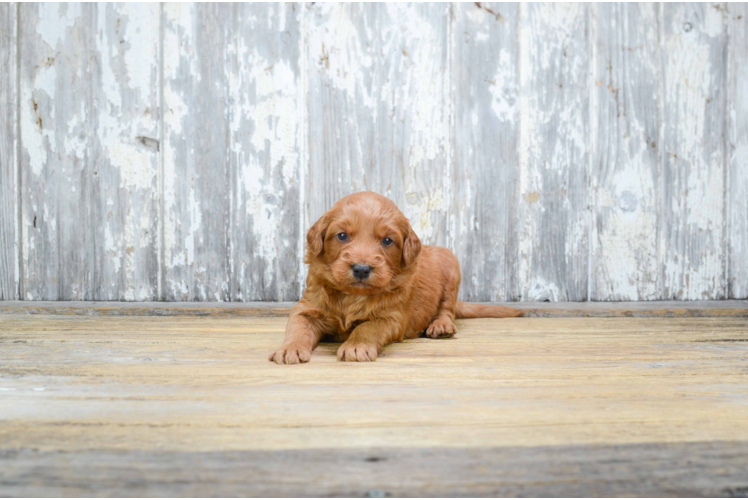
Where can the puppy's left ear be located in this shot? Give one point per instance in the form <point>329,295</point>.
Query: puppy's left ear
<point>411,246</point>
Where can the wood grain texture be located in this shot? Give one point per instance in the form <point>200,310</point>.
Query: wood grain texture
<point>123,150</point>
<point>89,123</point>
<point>692,241</point>
<point>266,104</point>
<point>737,150</point>
<point>485,193</point>
<point>9,272</point>
<point>627,101</point>
<point>563,151</point>
<point>57,128</point>
<point>116,391</point>
<point>553,152</point>
<point>694,469</point>
<point>197,174</point>
<point>379,108</point>
<point>232,143</point>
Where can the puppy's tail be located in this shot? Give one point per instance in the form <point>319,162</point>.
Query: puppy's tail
<point>470,310</point>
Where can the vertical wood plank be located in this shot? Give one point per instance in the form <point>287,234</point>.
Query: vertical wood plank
<point>124,151</point>
<point>56,126</point>
<point>625,158</point>
<point>737,142</point>
<point>379,109</point>
<point>197,146</point>
<point>553,152</point>
<point>89,111</point>
<point>266,100</point>
<point>9,272</point>
<point>693,184</point>
<point>485,192</point>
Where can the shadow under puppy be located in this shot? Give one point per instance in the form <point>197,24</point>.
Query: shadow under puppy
<point>371,283</point>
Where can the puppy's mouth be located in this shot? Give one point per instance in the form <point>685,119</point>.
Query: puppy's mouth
<point>361,288</point>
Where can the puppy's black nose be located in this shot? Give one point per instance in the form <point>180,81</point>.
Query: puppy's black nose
<point>361,271</point>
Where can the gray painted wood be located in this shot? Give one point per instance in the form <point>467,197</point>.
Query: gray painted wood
<point>231,186</point>
<point>737,150</point>
<point>553,152</point>
<point>379,109</point>
<point>8,153</point>
<point>564,151</point>
<point>266,106</point>
<point>56,123</point>
<point>197,149</point>
<point>692,244</point>
<point>485,198</point>
<point>625,143</point>
<point>124,150</point>
<point>89,126</point>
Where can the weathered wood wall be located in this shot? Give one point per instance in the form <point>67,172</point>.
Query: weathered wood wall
<point>563,151</point>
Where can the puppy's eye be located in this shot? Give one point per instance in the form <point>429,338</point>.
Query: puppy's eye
<point>342,237</point>
<point>387,242</point>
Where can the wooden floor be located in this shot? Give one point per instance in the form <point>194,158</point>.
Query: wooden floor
<point>189,405</point>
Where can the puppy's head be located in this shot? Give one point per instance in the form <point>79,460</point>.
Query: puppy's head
<point>362,245</point>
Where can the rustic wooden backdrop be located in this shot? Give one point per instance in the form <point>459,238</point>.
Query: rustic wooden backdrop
<point>564,151</point>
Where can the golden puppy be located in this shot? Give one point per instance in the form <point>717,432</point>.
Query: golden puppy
<point>371,283</point>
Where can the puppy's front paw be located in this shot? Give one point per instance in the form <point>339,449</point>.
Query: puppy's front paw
<point>291,354</point>
<point>355,351</point>
<point>441,329</point>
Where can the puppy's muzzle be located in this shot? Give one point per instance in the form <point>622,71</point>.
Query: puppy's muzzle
<point>360,271</point>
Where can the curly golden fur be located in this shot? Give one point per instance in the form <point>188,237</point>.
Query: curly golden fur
<point>398,290</point>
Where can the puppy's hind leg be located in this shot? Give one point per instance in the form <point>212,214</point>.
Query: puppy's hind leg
<point>443,324</point>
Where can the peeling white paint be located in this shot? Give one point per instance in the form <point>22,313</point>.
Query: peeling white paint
<point>52,25</point>
<point>540,290</point>
<point>266,125</point>
<point>196,221</point>
<point>127,43</point>
<point>553,233</point>
<point>179,23</point>
<point>624,253</point>
<point>503,88</point>
<point>420,210</point>
<point>694,249</point>
<point>339,50</point>
<point>386,76</point>
<point>736,267</point>
<point>38,139</point>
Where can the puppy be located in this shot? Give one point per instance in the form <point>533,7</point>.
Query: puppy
<point>371,283</point>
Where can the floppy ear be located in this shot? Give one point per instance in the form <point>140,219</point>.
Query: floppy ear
<point>315,237</point>
<point>411,246</point>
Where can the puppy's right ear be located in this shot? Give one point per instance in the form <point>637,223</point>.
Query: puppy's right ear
<point>315,237</point>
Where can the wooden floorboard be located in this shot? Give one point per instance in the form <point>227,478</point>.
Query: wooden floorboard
<point>645,470</point>
<point>189,405</point>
